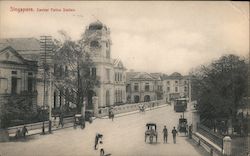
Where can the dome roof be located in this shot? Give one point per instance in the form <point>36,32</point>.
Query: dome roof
<point>97,25</point>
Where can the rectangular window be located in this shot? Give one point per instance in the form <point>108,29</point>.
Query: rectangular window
<point>13,85</point>
<point>176,82</point>
<point>176,89</point>
<point>168,82</point>
<point>147,87</point>
<point>108,74</point>
<point>93,71</point>
<point>14,72</point>
<point>120,76</point>
<point>30,73</point>
<point>185,89</point>
<point>30,84</point>
<point>168,89</point>
<point>136,87</point>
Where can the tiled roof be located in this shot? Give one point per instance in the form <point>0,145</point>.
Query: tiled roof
<point>158,76</point>
<point>21,44</point>
<point>29,48</point>
<point>130,75</point>
<point>140,76</point>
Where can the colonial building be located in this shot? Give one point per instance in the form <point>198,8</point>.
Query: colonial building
<point>175,86</point>
<point>17,78</point>
<point>112,89</point>
<point>111,72</point>
<point>143,87</point>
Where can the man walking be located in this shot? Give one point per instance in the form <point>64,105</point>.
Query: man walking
<point>97,137</point>
<point>174,132</point>
<point>61,120</point>
<point>165,134</point>
<point>24,131</point>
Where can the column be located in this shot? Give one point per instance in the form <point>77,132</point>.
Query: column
<point>95,105</point>
<point>227,149</point>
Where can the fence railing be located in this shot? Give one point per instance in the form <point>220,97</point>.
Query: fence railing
<point>38,125</point>
<point>214,137</point>
<point>207,145</point>
<point>128,107</point>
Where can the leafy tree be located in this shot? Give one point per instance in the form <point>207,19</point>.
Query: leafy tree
<point>219,87</point>
<point>16,110</point>
<point>77,79</point>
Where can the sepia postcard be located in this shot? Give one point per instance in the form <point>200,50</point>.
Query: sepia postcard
<point>124,78</point>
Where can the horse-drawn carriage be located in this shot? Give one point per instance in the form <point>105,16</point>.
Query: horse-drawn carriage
<point>183,126</point>
<point>151,132</point>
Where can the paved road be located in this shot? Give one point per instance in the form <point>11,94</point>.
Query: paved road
<point>122,137</point>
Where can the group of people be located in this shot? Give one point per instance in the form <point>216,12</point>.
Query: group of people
<point>21,133</point>
<point>165,134</point>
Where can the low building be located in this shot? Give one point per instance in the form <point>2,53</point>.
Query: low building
<point>17,78</point>
<point>142,87</point>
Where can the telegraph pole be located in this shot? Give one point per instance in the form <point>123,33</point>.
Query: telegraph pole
<point>46,48</point>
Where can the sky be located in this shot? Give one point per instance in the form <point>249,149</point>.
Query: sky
<point>163,36</point>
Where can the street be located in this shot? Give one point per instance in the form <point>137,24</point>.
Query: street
<point>122,137</point>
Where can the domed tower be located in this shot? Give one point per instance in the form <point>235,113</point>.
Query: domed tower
<point>98,45</point>
<point>98,40</point>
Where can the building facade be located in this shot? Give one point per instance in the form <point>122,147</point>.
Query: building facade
<point>17,78</point>
<point>110,71</point>
<point>176,86</point>
<point>143,87</point>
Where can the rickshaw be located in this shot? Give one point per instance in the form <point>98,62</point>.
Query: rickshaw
<point>89,115</point>
<point>151,132</point>
<point>79,120</point>
<point>182,127</point>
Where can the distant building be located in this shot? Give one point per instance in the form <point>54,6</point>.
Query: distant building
<point>175,86</point>
<point>17,78</point>
<point>143,87</point>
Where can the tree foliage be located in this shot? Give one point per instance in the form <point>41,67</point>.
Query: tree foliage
<point>16,110</point>
<point>78,79</point>
<point>219,87</point>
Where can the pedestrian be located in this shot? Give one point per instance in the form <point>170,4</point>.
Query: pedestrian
<point>97,138</point>
<point>190,129</point>
<point>24,131</point>
<point>174,132</point>
<point>61,120</point>
<point>165,134</point>
<point>18,134</point>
